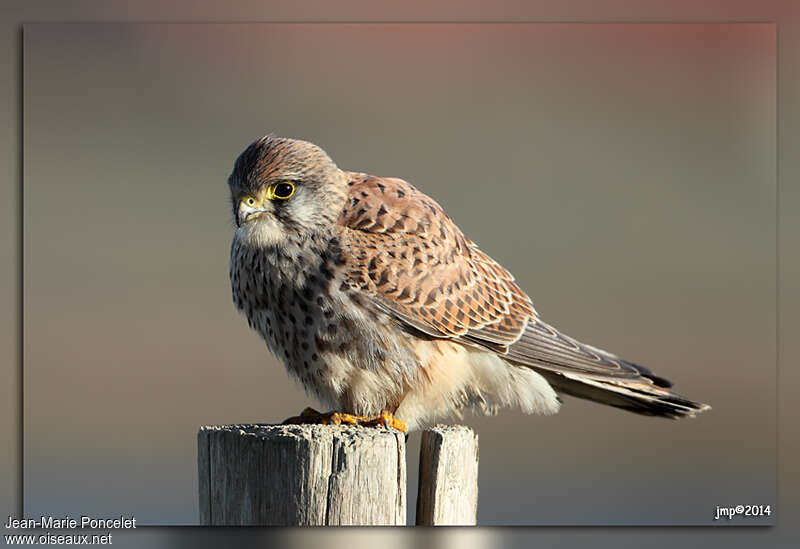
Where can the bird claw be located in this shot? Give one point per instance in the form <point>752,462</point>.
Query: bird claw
<point>311,416</point>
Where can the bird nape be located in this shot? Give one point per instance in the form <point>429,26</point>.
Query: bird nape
<point>385,312</point>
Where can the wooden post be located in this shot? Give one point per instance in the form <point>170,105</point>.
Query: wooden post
<point>301,475</point>
<point>448,476</point>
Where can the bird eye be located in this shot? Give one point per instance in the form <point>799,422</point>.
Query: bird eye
<point>283,190</point>
<point>251,201</point>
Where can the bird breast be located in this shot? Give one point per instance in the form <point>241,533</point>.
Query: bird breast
<point>325,334</point>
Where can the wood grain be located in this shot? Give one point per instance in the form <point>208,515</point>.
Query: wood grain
<point>448,476</point>
<point>291,475</point>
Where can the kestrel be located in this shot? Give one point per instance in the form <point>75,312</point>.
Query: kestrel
<point>382,309</point>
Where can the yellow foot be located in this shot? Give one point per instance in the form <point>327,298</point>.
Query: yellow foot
<point>310,415</point>
<point>386,420</point>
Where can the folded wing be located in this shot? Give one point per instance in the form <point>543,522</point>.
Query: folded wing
<point>411,259</point>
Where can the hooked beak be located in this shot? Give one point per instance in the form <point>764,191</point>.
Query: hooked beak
<point>245,212</point>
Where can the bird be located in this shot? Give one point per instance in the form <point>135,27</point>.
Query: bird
<point>388,315</point>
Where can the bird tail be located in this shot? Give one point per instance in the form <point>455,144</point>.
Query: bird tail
<point>644,396</point>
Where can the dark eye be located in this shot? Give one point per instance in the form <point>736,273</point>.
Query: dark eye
<point>283,190</point>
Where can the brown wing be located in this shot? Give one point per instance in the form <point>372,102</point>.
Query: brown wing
<point>415,263</point>
<point>409,257</point>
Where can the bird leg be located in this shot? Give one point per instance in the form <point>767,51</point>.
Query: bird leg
<point>311,416</point>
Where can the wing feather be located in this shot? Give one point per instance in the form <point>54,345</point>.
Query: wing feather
<point>415,263</point>
<point>411,259</point>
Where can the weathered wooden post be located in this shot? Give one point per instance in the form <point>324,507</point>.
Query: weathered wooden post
<point>290,475</point>
<point>448,476</point>
<point>301,475</point>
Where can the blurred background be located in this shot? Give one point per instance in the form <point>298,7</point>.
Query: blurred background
<point>624,173</point>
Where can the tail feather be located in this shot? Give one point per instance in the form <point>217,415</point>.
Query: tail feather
<point>584,371</point>
<point>642,397</point>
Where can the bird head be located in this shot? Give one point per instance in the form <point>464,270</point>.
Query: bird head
<point>283,188</point>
